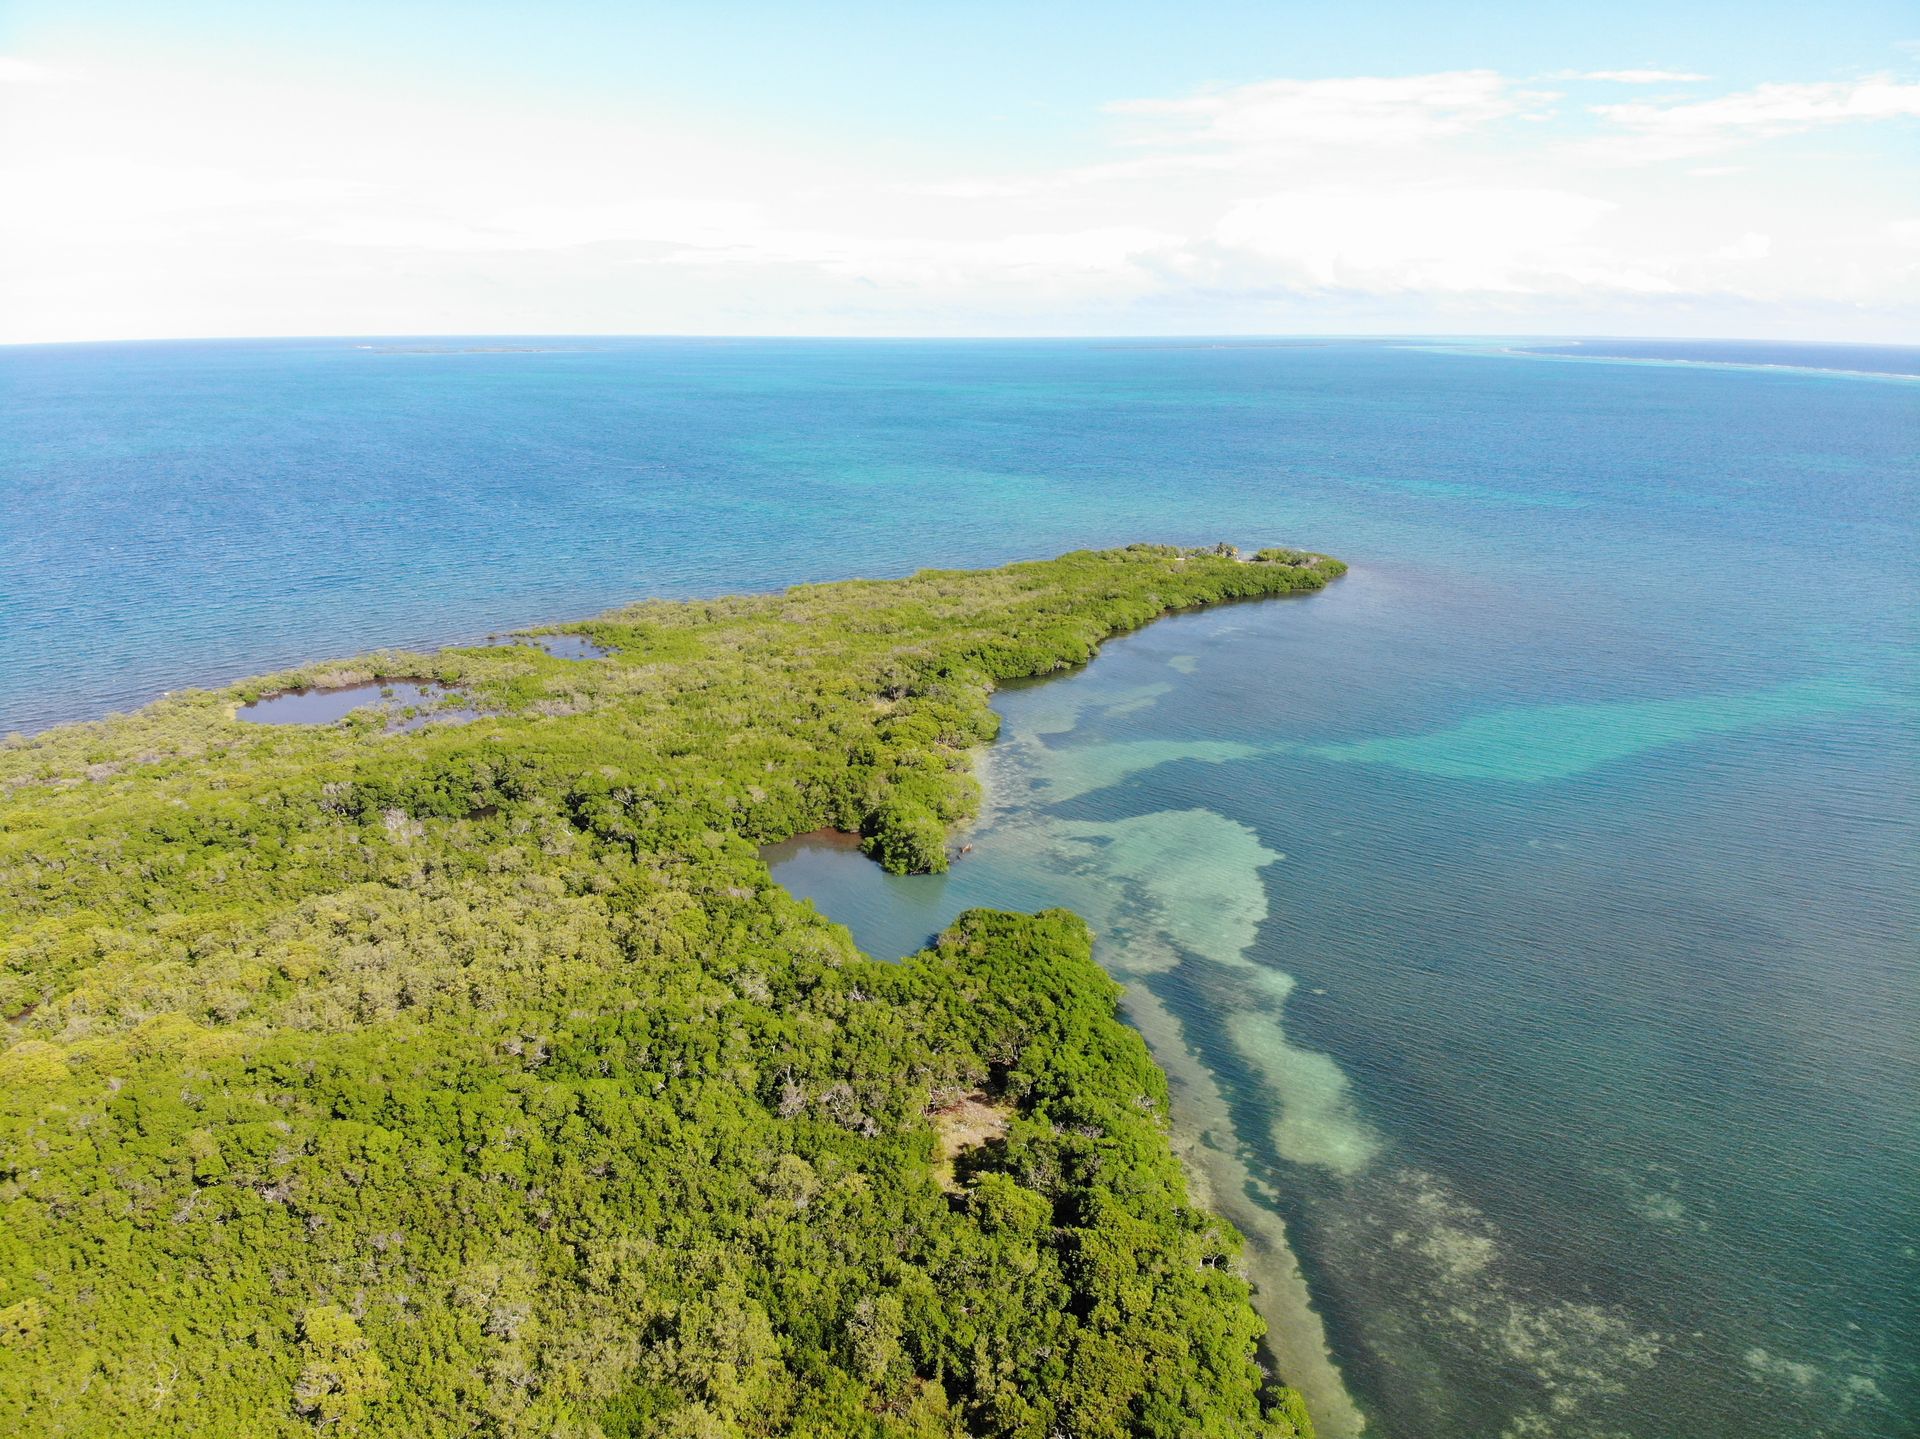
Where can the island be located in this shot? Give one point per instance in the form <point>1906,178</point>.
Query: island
<point>455,1066</point>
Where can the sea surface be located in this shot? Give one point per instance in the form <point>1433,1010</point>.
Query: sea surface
<point>1530,922</point>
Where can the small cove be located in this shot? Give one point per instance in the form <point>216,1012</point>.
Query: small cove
<point>891,916</point>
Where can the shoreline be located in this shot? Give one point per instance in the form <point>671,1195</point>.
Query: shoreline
<point>1296,1337</point>
<point>566,894</point>
<point>1201,1131</point>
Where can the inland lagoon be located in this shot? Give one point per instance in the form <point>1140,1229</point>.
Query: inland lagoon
<point>405,704</point>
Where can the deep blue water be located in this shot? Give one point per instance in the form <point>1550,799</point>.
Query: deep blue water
<point>1530,919</point>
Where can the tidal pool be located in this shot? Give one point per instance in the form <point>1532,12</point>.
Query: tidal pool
<point>314,706</point>
<point>560,647</point>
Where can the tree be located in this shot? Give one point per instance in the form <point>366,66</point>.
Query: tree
<point>340,1374</point>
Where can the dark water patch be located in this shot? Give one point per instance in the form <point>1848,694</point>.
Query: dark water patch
<point>826,839</point>
<point>560,647</point>
<point>411,704</point>
<point>891,916</point>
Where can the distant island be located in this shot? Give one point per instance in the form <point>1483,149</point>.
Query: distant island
<point>456,1067</point>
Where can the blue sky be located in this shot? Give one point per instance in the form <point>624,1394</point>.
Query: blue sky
<point>214,168</point>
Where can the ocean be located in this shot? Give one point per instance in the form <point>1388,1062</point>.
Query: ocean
<point>1530,922</point>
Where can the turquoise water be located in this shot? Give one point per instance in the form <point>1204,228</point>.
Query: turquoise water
<point>1529,921</point>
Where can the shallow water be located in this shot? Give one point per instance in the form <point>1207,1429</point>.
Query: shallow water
<point>395,697</point>
<point>1584,1086</point>
<point>560,647</point>
<point>1529,920</point>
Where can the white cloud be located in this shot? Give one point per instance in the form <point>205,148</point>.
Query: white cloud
<point>1670,131</point>
<point>14,71</point>
<point>659,219</point>
<point>1365,110</point>
<point>1641,77</point>
<point>1436,238</point>
<point>1041,259</point>
<point>1751,246</point>
<point>137,201</point>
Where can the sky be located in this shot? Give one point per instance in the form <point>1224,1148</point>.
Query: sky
<point>200,168</point>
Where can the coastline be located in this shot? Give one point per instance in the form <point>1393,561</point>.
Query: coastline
<point>1201,1129</point>
<point>558,912</point>
<point>1203,1134</point>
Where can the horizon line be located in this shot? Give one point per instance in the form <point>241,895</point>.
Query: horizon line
<point>1249,338</point>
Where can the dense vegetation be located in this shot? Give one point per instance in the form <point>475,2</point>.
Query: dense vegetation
<point>478,1079</point>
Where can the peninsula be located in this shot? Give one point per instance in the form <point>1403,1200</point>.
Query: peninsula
<point>455,1066</point>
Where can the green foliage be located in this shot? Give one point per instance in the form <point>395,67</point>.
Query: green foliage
<point>905,837</point>
<point>341,1373</point>
<point>1298,559</point>
<point>478,1080</point>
